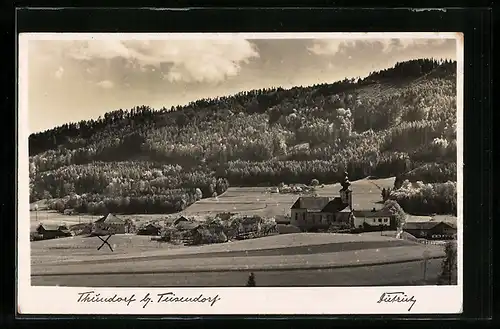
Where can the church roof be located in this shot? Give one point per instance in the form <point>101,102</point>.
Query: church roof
<point>335,205</point>
<point>311,203</point>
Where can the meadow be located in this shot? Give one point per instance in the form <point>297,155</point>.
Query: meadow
<point>401,274</point>
<point>72,261</point>
<point>256,200</point>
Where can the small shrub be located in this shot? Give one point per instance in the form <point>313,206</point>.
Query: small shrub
<point>448,274</point>
<point>251,280</point>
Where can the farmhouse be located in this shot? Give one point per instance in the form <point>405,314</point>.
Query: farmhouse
<point>51,232</point>
<point>313,213</point>
<point>248,227</point>
<point>375,219</point>
<point>431,230</point>
<point>188,231</point>
<point>112,224</point>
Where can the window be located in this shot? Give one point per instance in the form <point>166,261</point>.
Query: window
<point>296,216</point>
<point>304,216</point>
<point>385,220</point>
<point>380,220</point>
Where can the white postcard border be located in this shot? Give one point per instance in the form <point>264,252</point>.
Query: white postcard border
<point>255,300</point>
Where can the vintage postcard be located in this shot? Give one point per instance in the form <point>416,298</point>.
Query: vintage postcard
<point>246,173</point>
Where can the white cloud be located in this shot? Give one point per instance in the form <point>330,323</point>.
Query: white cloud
<point>188,60</point>
<point>59,73</point>
<point>335,46</point>
<point>106,84</point>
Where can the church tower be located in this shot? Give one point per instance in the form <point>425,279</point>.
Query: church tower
<point>346,192</point>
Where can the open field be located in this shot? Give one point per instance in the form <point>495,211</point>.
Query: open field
<point>80,248</point>
<point>55,259</point>
<point>255,200</point>
<point>401,274</point>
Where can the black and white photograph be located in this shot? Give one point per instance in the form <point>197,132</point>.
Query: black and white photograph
<point>243,162</point>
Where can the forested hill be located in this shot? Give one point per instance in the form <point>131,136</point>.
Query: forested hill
<point>400,121</point>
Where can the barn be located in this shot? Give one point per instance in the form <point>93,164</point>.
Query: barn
<point>431,230</point>
<point>52,231</point>
<point>111,224</point>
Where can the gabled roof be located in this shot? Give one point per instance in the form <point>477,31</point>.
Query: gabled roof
<point>53,227</point>
<point>426,225</point>
<point>311,203</point>
<point>187,225</point>
<point>110,219</point>
<point>371,213</point>
<point>335,206</point>
<point>150,225</point>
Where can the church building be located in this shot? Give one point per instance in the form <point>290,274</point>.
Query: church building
<point>320,213</point>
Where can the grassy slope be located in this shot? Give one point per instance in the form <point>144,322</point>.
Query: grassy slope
<point>383,275</point>
<point>135,254</point>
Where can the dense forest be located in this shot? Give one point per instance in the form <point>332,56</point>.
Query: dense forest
<point>397,122</point>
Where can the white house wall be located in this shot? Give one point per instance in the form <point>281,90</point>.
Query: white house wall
<point>372,221</point>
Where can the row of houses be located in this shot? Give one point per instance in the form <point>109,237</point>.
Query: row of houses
<point>109,224</point>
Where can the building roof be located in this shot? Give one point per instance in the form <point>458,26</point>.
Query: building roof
<point>371,213</point>
<point>335,206</point>
<point>173,220</point>
<point>426,225</point>
<point>150,225</point>
<point>250,221</point>
<point>311,203</point>
<point>110,219</point>
<point>53,227</point>
<point>187,225</point>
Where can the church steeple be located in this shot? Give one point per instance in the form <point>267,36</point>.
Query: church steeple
<point>345,191</point>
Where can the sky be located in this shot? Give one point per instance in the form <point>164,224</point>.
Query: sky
<point>73,80</point>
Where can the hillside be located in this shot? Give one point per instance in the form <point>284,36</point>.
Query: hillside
<point>397,122</point>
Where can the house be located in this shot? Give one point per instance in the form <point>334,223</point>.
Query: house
<point>431,230</point>
<point>248,227</point>
<point>315,213</point>
<point>53,231</point>
<point>188,231</point>
<point>111,224</point>
<point>149,229</point>
<point>374,220</point>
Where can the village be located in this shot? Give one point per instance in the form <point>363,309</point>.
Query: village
<point>309,213</point>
